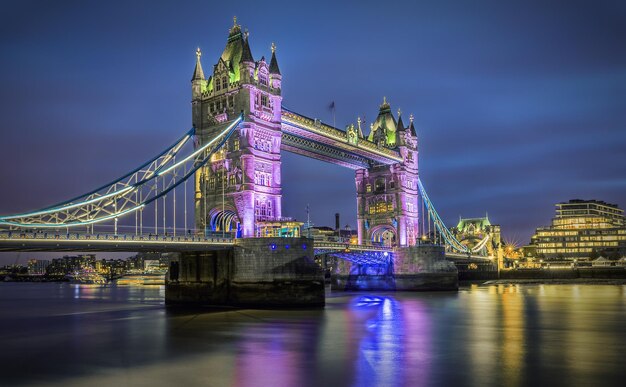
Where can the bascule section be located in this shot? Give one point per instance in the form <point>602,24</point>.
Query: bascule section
<point>238,192</point>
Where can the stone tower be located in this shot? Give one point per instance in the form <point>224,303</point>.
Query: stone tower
<point>387,195</point>
<point>241,183</point>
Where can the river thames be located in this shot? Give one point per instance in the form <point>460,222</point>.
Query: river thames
<point>496,335</point>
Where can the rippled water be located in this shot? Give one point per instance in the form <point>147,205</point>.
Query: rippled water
<point>569,335</point>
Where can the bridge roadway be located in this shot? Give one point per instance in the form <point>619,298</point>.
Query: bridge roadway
<point>47,241</point>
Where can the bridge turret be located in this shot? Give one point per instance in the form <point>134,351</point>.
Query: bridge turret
<point>387,194</point>
<point>384,127</point>
<point>198,84</point>
<point>241,186</point>
<point>275,76</point>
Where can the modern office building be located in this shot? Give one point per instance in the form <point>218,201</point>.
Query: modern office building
<point>582,229</point>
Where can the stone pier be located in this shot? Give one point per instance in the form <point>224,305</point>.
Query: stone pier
<point>415,268</point>
<point>256,272</point>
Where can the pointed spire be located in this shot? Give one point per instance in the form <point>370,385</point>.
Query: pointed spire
<point>359,121</point>
<point>198,74</point>
<point>411,127</point>
<point>236,28</point>
<point>385,106</point>
<point>274,63</point>
<point>400,125</point>
<point>246,54</point>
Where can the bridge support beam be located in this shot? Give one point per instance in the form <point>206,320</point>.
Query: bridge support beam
<point>256,272</point>
<point>414,268</point>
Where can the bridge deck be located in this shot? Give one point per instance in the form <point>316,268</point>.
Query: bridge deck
<point>39,241</point>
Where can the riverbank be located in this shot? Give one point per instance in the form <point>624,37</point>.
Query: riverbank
<point>555,281</point>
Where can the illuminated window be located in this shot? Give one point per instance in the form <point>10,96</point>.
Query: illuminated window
<point>232,179</point>
<point>236,144</point>
<point>368,188</point>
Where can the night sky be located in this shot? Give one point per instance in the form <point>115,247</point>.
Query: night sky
<point>518,104</point>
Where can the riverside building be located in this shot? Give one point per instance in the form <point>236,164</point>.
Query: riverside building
<point>582,229</point>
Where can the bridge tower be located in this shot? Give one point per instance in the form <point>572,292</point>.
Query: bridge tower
<point>387,195</point>
<point>242,183</point>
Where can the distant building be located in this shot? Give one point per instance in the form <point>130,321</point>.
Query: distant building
<point>37,266</point>
<point>478,234</point>
<point>582,229</point>
<point>69,264</point>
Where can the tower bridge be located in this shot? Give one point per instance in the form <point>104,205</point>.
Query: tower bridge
<point>232,159</point>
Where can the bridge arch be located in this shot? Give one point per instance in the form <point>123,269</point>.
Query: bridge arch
<point>224,221</point>
<point>384,235</point>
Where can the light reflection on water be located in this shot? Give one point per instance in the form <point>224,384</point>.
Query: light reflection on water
<point>514,335</point>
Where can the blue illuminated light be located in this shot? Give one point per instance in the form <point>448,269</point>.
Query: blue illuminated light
<point>287,247</point>
<point>303,247</point>
<point>273,246</point>
<point>386,254</point>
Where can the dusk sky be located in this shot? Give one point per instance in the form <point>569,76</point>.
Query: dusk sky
<point>518,104</point>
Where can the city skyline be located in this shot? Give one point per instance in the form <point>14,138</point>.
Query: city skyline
<point>511,119</point>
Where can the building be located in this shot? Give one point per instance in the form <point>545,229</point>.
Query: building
<point>69,264</point>
<point>582,229</point>
<point>478,235</point>
<point>37,266</point>
<point>387,207</point>
<point>238,191</point>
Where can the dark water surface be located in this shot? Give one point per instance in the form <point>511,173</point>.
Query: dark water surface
<point>500,335</point>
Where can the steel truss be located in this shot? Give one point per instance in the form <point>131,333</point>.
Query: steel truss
<point>133,191</point>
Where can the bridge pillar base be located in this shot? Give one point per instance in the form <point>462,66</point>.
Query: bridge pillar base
<point>256,272</point>
<point>415,268</point>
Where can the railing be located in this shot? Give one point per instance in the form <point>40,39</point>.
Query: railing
<point>345,246</point>
<point>20,235</point>
<point>337,134</point>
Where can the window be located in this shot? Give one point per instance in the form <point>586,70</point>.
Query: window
<point>236,144</point>
<point>380,185</point>
<point>212,182</point>
<point>218,85</point>
<point>232,179</point>
<point>263,79</point>
<point>264,100</point>
<point>225,83</point>
<point>368,188</point>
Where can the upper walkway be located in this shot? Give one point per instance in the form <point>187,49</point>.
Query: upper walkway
<point>312,138</point>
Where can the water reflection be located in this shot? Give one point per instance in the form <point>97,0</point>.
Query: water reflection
<point>482,336</point>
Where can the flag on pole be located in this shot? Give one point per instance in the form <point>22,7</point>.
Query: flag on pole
<point>331,107</point>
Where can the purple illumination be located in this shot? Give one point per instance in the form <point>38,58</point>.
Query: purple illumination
<point>304,247</point>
